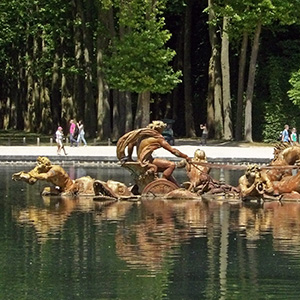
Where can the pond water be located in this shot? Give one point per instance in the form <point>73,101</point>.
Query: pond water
<point>63,248</point>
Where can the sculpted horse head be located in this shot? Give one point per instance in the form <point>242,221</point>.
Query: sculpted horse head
<point>286,154</point>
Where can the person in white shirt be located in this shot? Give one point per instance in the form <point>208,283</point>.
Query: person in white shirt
<point>59,140</point>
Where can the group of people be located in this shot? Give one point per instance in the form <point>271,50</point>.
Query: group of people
<point>287,136</point>
<point>76,132</point>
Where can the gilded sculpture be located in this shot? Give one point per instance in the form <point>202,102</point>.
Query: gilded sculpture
<point>154,176</point>
<point>146,168</point>
<point>276,179</point>
<point>62,184</point>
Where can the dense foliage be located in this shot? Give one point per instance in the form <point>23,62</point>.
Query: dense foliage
<point>95,60</point>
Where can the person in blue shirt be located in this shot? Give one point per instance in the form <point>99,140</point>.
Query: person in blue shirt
<point>285,134</point>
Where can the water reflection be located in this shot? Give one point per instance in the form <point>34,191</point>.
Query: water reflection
<point>282,220</point>
<point>65,248</point>
<point>157,226</point>
<point>49,219</point>
<point>160,226</point>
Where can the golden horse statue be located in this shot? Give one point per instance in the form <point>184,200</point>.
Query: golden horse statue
<point>276,179</point>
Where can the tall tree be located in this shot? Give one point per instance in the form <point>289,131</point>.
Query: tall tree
<point>241,84</point>
<point>140,61</point>
<point>226,81</point>
<point>213,38</point>
<point>187,74</point>
<point>104,17</point>
<point>249,17</point>
<point>250,84</point>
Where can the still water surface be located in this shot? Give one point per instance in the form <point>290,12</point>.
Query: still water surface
<point>62,248</point>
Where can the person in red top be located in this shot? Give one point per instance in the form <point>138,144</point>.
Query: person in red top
<point>73,137</point>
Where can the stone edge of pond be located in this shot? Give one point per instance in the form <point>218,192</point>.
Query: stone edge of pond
<point>112,162</point>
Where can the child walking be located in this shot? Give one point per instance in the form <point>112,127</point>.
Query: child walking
<point>59,140</point>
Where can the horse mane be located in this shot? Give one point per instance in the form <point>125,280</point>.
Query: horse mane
<point>279,147</point>
<point>281,150</point>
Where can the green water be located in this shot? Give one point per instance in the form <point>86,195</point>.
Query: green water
<point>62,248</point>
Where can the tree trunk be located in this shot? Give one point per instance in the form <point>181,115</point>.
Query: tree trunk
<point>56,94</point>
<point>226,82</point>
<point>240,93</point>
<point>36,89</point>
<point>103,107</point>
<point>46,111</point>
<point>14,95</point>
<point>142,117</point>
<point>67,102</point>
<point>78,84</point>
<point>217,88</point>
<point>29,99</point>
<point>115,115</point>
<point>129,117</point>
<point>30,87</point>
<point>219,129</point>
<point>90,103</point>
<point>174,99</point>
<point>210,122</point>
<point>122,112</point>
<point>187,74</point>
<point>21,95</point>
<point>250,84</point>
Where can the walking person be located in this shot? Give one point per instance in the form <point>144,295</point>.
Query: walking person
<point>73,134</point>
<point>59,140</point>
<point>293,136</point>
<point>285,134</point>
<point>81,133</point>
<point>204,134</point>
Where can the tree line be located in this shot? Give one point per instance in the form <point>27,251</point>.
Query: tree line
<point>118,64</point>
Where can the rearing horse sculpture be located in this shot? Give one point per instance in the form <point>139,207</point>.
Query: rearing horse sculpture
<point>277,178</point>
<point>284,154</point>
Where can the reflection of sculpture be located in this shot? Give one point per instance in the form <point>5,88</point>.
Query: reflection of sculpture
<point>63,184</point>
<point>49,219</point>
<point>282,220</point>
<point>161,227</point>
<point>147,167</point>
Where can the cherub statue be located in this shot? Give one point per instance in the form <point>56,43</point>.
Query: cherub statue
<point>200,181</point>
<point>196,169</point>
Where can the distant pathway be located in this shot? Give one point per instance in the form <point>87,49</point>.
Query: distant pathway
<point>97,154</point>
